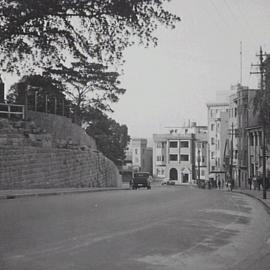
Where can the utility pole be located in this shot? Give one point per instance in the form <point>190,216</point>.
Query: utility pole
<point>241,63</point>
<point>261,72</point>
<point>231,163</point>
<point>199,168</point>
<point>264,158</point>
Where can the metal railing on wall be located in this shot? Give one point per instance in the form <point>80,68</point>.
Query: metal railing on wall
<point>47,104</point>
<point>12,110</point>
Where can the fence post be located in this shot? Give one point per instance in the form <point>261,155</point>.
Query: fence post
<point>55,105</point>
<point>23,113</point>
<point>63,107</point>
<point>8,111</point>
<point>46,103</point>
<point>35,101</point>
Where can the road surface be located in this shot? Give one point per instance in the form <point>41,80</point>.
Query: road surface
<point>168,227</point>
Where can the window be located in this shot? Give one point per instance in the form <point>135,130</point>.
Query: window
<point>184,144</point>
<point>260,138</point>
<point>173,157</point>
<point>184,157</point>
<point>136,151</point>
<point>161,145</point>
<point>173,144</point>
<point>213,168</point>
<point>160,158</point>
<point>251,139</point>
<point>202,173</point>
<point>212,154</point>
<point>212,141</point>
<point>212,126</point>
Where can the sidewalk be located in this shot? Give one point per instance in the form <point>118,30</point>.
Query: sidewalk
<point>19,193</point>
<point>257,194</point>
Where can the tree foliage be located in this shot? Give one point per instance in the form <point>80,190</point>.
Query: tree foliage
<point>44,33</point>
<point>40,87</point>
<point>111,137</point>
<point>88,84</point>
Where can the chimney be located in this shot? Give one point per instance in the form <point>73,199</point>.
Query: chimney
<point>2,91</point>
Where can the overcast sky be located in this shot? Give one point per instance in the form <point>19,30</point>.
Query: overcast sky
<point>170,84</point>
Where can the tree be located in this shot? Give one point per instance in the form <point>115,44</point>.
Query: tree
<point>88,84</point>
<point>45,33</point>
<point>41,88</point>
<point>111,137</point>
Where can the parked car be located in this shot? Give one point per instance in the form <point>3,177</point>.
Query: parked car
<point>167,182</point>
<point>141,179</point>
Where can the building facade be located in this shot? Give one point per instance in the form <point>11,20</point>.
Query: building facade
<point>174,154</point>
<point>218,120</point>
<point>141,155</point>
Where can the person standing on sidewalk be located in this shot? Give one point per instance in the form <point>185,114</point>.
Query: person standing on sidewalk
<point>249,183</point>
<point>219,184</point>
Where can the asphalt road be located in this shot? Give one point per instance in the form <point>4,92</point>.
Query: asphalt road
<point>164,228</point>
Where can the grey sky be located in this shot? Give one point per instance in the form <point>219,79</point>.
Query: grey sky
<point>171,83</point>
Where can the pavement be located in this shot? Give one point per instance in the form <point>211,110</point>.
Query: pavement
<point>257,194</point>
<point>19,193</point>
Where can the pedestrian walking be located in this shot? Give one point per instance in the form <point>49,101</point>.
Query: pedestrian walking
<point>219,183</point>
<point>249,183</point>
<point>232,185</point>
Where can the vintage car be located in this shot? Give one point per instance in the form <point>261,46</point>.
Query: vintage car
<point>140,179</point>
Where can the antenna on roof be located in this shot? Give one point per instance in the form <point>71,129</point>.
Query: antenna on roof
<point>241,63</point>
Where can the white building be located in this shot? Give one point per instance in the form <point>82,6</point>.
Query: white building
<point>174,155</point>
<point>218,120</point>
<point>141,155</point>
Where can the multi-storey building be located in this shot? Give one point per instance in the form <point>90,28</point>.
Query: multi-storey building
<point>218,119</point>
<point>232,140</point>
<point>174,153</point>
<point>254,141</point>
<point>141,155</point>
<point>242,122</point>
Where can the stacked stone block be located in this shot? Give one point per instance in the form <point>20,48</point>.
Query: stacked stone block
<point>36,167</point>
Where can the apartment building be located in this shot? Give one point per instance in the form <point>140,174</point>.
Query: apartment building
<point>174,153</point>
<point>218,121</point>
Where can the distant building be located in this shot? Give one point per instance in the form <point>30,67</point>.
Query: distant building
<point>141,155</point>
<point>174,155</point>
<point>218,120</point>
<point>242,124</point>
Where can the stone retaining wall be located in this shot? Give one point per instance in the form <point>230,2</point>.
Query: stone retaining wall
<point>36,167</point>
<point>61,129</point>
